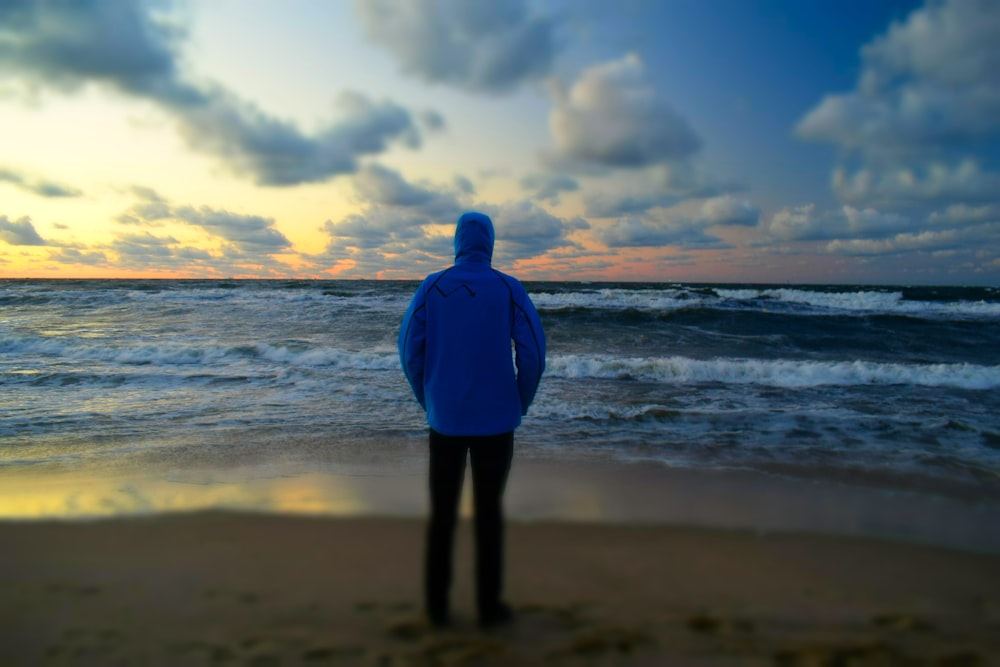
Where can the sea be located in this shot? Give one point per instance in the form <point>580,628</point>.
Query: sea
<point>891,387</point>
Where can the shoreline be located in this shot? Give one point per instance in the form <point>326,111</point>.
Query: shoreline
<point>205,588</point>
<point>603,492</point>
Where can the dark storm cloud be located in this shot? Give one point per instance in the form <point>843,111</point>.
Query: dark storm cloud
<point>479,46</point>
<point>19,232</point>
<point>127,46</point>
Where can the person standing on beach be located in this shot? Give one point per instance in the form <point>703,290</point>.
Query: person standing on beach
<point>455,349</point>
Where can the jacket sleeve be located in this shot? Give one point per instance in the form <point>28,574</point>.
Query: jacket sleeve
<point>411,343</point>
<point>529,349</point>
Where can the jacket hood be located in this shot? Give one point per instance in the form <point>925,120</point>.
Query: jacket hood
<point>474,238</point>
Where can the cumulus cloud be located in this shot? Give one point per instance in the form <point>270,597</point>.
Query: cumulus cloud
<point>19,232</point>
<point>612,116</point>
<point>932,182</point>
<point>78,256</point>
<point>960,214</point>
<point>928,241</point>
<point>250,235</point>
<point>478,46</point>
<point>39,187</point>
<point>401,241</point>
<point>635,232</point>
<point>670,184</point>
<point>379,227</point>
<point>380,185</point>
<point>806,223</point>
<point>925,112</point>
<point>930,79</point>
<point>525,230</point>
<point>728,210</point>
<point>132,49</point>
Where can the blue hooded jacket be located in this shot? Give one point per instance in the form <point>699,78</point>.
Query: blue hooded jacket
<point>455,341</point>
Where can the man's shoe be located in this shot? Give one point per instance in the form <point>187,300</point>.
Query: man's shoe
<point>499,615</point>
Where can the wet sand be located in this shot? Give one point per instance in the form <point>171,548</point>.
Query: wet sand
<point>213,588</point>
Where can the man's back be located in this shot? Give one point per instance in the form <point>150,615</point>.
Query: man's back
<point>455,342</point>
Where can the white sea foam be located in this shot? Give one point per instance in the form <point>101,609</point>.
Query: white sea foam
<point>180,354</point>
<point>777,373</point>
<point>812,302</point>
<point>865,302</point>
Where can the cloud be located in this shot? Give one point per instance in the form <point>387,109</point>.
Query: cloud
<point>903,185</point>
<point>78,256</point>
<point>805,223</point>
<point>548,187</point>
<point>396,241</point>
<point>728,210</point>
<point>127,46</point>
<point>920,127</point>
<point>671,184</point>
<point>632,231</point>
<point>383,186</point>
<point>477,46</point>
<point>636,232</point>
<point>929,80</point>
<point>928,241</point>
<point>39,187</point>
<point>250,235</point>
<point>525,230</point>
<point>378,227</point>
<point>464,185</point>
<point>19,232</point>
<point>432,120</point>
<point>612,117</point>
<point>960,214</point>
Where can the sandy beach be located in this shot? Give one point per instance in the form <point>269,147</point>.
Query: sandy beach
<point>213,588</point>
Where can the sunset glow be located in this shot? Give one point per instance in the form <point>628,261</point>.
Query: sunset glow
<point>660,141</point>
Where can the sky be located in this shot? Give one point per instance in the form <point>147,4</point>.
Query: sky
<point>778,141</point>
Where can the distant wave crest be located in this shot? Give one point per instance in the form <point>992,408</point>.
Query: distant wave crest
<point>776,373</point>
<point>788,300</point>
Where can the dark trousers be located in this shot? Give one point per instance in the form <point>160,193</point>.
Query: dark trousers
<point>491,457</point>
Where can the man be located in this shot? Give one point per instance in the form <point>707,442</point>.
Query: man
<point>455,348</point>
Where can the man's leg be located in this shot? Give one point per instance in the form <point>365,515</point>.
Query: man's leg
<point>447,470</point>
<point>491,458</point>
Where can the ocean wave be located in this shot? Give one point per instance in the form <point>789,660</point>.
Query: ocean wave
<point>777,372</point>
<point>788,300</point>
<point>186,354</point>
<point>867,302</point>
